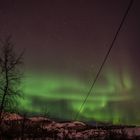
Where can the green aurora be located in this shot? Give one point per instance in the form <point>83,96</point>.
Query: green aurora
<point>61,97</point>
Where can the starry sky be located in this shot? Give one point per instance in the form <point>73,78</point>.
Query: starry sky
<point>66,42</point>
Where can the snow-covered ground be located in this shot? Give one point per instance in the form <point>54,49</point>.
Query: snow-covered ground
<point>74,129</point>
<point>133,131</point>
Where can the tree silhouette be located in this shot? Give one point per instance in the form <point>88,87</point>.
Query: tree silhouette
<point>10,75</point>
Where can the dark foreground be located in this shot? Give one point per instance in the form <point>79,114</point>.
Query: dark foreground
<point>16,127</point>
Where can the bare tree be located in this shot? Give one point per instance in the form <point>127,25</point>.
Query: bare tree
<point>10,75</point>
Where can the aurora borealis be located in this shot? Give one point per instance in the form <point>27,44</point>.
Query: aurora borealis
<point>64,94</point>
<point>65,43</point>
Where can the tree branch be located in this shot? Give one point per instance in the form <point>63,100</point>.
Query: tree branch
<point>17,61</point>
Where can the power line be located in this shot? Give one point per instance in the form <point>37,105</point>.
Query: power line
<point>106,56</point>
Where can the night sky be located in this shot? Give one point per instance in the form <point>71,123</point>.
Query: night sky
<point>66,42</point>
